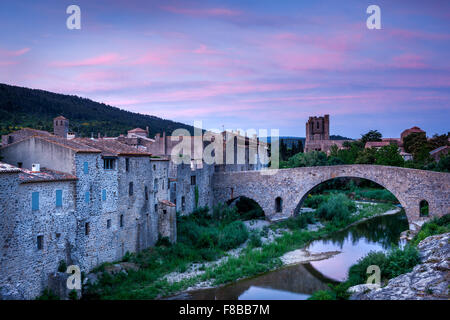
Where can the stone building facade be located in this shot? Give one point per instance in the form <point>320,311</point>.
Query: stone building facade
<point>90,201</point>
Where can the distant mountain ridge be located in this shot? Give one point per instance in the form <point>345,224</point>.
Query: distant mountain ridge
<point>23,107</point>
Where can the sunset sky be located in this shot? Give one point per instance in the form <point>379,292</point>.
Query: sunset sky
<point>241,64</point>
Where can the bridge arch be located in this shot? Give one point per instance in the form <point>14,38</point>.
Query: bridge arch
<point>409,186</point>
<point>305,195</point>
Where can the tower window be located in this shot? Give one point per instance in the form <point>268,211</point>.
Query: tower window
<point>86,228</point>
<point>127,164</point>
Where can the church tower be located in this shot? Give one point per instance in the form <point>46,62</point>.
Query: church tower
<point>61,127</point>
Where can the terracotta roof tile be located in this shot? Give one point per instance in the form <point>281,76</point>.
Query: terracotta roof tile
<point>111,147</point>
<point>44,175</point>
<point>7,168</point>
<point>70,143</point>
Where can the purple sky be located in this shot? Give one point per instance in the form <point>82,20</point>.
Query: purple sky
<point>241,64</point>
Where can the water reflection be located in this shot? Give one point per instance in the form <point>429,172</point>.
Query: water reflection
<point>300,281</point>
<point>293,282</point>
<point>378,234</point>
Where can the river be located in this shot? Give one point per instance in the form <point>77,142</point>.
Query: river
<point>298,282</point>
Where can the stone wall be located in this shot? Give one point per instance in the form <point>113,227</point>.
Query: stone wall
<point>410,186</point>
<point>25,267</point>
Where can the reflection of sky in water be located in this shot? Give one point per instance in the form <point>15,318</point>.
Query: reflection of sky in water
<point>258,293</point>
<point>337,267</point>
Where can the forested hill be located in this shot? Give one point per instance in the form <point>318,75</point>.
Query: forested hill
<point>23,107</point>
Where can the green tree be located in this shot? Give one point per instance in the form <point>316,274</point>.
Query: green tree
<point>367,156</point>
<point>418,145</point>
<point>372,135</point>
<point>389,156</point>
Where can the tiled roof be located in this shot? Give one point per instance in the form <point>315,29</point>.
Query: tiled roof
<point>112,148</point>
<point>439,149</point>
<point>137,130</point>
<point>44,175</point>
<point>167,203</point>
<point>371,144</point>
<point>71,144</point>
<point>60,118</point>
<point>7,168</point>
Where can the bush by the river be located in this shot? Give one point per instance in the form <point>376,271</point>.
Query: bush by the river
<point>338,208</point>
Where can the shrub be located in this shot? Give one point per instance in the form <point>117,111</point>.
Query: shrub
<point>314,201</point>
<point>357,273</point>
<point>62,266</point>
<point>225,214</point>
<point>323,295</point>
<point>255,239</point>
<point>232,235</point>
<point>400,261</point>
<point>338,208</point>
<point>47,294</point>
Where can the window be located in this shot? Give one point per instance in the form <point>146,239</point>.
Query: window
<point>103,195</point>
<point>86,167</point>
<point>193,180</point>
<point>40,242</point>
<point>130,189</point>
<point>87,197</point>
<point>35,201</point>
<point>154,167</point>
<point>108,164</point>
<point>183,203</point>
<point>156,207</point>
<point>108,223</point>
<point>121,221</point>
<point>146,192</point>
<point>86,228</point>
<point>59,198</point>
<point>164,211</point>
<point>424,209</point>
<point>127,164</point>
<point>278,204</point>
<point>19,164</point>
<point>155,185</point>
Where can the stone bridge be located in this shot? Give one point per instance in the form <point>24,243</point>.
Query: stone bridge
<point>281,194</point>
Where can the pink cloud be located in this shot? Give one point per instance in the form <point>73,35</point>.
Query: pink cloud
<point>203,49</point>
<point>415,35</point>
<point>213,12</point>
<point>105,59</point>
<point>17,53</point>
<point>409,61</point>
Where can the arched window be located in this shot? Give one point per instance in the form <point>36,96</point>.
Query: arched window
<point>424,210</point>
<point>146,193</point>
<point>278,204</point>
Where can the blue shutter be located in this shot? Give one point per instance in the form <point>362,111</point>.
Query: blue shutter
<point>87,197</point>
<point>104,195</point>
<point>86,167</point>
<point>35,201</point>
<point>59,198</point>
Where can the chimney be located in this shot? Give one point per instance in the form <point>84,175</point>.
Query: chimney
<point>35,167</point>
<point>146,129</point>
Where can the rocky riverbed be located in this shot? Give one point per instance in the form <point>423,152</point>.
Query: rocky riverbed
<point>427,281</point>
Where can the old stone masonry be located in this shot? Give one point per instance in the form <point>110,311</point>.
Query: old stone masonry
<point>66,200</point>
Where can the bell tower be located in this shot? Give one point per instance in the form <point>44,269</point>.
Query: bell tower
<point>61,127</point>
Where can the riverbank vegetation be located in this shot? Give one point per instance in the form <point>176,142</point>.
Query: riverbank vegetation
<point>392,264</point>
<point>206,239</point>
